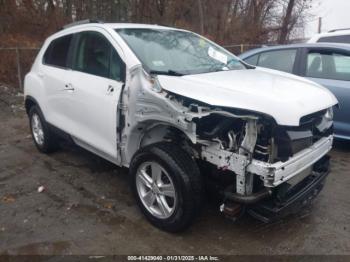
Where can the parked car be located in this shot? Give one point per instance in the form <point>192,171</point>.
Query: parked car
<point>333,36</point>
<point>324,63</point>
<point>185,116</point>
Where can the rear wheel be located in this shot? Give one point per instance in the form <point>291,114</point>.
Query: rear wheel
<point>43,138</point>
<point>167,185</point>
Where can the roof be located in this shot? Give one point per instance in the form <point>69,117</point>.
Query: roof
<point>86,24</point>
<point>134,25</point>
<point>338,29</point>
<point>317,45</point>
<point>83,23</point>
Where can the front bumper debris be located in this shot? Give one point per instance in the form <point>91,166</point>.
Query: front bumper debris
<point>247,199</point>
<point>271,174</point>
<point>296,198</point>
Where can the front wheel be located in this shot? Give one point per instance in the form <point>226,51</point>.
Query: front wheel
<point>167,185</point>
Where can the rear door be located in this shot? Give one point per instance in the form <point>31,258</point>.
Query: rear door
<point>97,80</point>
<point>331,68</point>
<point>55,72</point>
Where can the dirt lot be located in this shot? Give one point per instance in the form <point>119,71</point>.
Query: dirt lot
<point>87,208</point>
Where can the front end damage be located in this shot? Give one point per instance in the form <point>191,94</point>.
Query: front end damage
<point>254,163</point>
<point>277,169</point>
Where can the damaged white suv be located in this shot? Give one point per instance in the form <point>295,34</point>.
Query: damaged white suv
<point>186,116</point>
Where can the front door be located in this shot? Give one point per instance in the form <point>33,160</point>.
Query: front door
<point>96,82</point>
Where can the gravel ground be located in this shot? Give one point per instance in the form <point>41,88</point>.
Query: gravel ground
<point>87,208</point>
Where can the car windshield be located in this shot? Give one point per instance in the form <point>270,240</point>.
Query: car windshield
<point>175,52</point>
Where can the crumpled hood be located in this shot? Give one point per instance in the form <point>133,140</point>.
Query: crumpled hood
<point>283,96</point>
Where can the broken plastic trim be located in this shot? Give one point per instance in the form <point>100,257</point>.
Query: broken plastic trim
<point>247,199</point>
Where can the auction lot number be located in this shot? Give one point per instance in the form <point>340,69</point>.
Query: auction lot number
<point>173,258</point>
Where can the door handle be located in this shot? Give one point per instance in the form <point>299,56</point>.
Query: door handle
<point>110,89</point>
<point>41,74</point>
<point>68,87</point>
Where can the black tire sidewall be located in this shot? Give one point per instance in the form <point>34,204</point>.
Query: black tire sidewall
<point>184,209</point>
<point>45,147</point>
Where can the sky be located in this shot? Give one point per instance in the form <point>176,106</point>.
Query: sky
<point>334,13</point>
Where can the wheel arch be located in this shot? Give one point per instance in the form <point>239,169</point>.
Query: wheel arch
<point>152,132</point>
<point>29,102</point>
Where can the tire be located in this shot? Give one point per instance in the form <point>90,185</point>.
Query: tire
<point>43,138</point>
<point>176,169</point>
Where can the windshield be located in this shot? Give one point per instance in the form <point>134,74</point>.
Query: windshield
<point>177,52</point>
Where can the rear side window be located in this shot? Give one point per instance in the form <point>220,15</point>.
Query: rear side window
<point>95,55</point>
<point>336,39</point>
<point>328,65</point>
<point>57,52</point>
<point>282,60</point>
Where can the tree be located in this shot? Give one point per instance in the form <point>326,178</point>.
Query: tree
<point>224,21</point>
<point>286,22</point>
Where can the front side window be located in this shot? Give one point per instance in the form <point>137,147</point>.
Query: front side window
<point>282,60</point>
<point>57,52</point>
<point>116,70</point>
<point>328,65</point>
<point>95,55</point>
<point>164,50</point>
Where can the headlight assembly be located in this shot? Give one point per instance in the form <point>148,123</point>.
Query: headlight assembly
<point>329,114</point>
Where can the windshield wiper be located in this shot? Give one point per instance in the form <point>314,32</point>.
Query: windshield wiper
<point>169,72</point>
<point>246,65</point>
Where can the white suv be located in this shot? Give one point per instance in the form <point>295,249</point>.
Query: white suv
<point>333,36</point>
<point>186,116</point>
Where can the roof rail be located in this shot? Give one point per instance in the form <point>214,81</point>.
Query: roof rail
<point>340,29</point>
<point>82,22</point>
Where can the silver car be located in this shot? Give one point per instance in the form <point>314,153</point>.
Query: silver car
<point>327,64</point>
